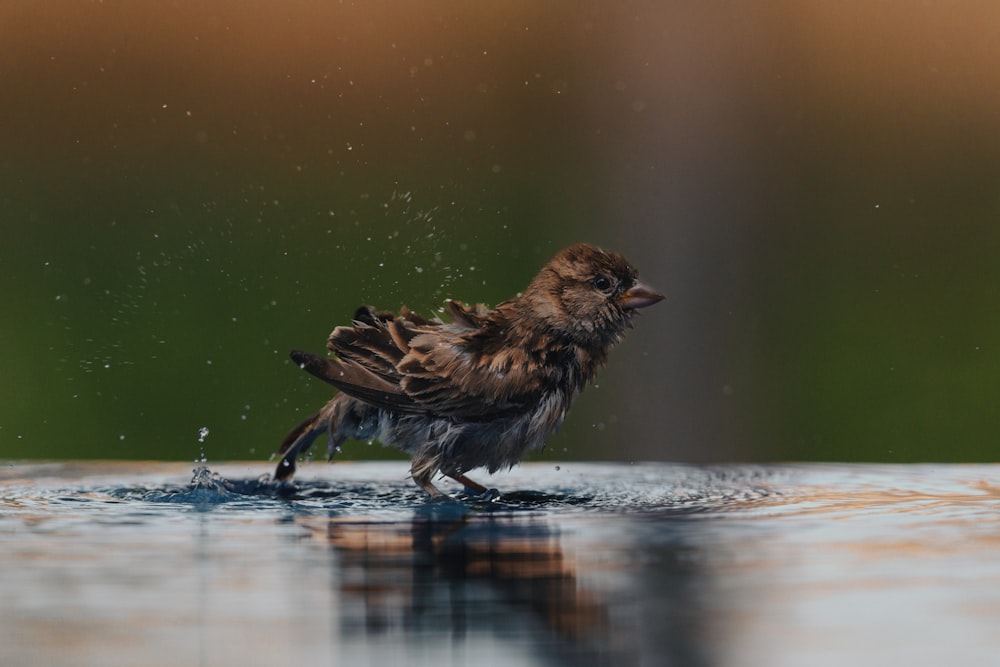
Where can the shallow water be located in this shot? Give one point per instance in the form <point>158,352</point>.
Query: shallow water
<point>576,564</point>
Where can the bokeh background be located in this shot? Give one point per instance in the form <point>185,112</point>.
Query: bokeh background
<point>190,189</point>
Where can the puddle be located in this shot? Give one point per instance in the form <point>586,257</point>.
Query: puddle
<point>580,564</point>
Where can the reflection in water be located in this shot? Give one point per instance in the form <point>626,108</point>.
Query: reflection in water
<point>464,575</point>
<point>106,564</point>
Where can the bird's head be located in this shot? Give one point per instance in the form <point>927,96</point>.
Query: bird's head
<point>587,294</point>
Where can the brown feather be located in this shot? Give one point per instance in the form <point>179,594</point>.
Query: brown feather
<point>483,388</point>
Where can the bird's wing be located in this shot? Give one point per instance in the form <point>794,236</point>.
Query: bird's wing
<point>407,363</point>
<point>357,381</point>
<point>369,342</point>
<point>468,317</point>
<point>473,370</point>
<point>367,353</point>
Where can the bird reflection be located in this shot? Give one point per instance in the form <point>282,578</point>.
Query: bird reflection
<point>462,572</point>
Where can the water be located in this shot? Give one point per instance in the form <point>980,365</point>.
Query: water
<point>580,564</point>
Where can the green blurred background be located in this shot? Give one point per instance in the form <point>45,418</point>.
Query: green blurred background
<point>188,190</point>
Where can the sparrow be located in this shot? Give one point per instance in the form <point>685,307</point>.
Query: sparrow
<point>478,391</point>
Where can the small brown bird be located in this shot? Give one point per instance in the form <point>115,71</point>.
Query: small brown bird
<point>483,389</point>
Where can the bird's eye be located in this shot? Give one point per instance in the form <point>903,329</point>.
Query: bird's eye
<point>602,283</point>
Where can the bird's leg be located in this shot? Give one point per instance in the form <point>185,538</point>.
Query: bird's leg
<point>427,486</point>
<point>469,484</point>
<point>286,466</point>
<point>299,440</point>
<point>421,471</point>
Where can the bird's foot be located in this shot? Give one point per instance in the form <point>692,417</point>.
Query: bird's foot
<point>484,496</point>
<point>475,490</point>
<point>471,487</point>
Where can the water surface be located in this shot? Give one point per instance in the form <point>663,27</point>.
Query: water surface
<point>578,564</point>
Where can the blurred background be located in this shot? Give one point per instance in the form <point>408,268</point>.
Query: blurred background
<point>190,189</point>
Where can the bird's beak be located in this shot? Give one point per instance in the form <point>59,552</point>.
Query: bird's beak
<point>639,296</point>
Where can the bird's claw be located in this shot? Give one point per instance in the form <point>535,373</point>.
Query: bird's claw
<point>484,496</point>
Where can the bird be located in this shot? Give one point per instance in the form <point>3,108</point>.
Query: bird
<point>482,389</point>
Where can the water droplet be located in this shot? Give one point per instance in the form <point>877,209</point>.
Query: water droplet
<point>202,433</point>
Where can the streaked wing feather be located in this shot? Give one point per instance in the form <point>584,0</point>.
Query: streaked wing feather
<point>408,363</point>
<point>357,381</point>
<point>474,317</point>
